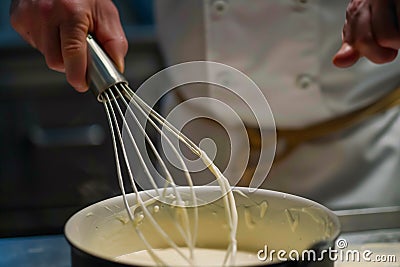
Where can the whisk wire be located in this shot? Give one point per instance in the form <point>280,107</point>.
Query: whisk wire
<point>189,143</point>
<point>139,200</point>
<point>118,166</point>
<point>223,182</point>
<point>185,234</point>
<point>133,142</point>
<point>189,238</point>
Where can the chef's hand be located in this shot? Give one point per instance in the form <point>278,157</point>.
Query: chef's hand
<point>58,29</point>
<point>371,30</point>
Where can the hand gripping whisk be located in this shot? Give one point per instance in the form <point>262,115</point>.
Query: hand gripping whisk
<point>125,112</point>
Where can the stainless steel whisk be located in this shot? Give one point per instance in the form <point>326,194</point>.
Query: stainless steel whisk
<point>112,90</point>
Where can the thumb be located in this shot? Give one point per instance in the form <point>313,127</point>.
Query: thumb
<point>346,56</point>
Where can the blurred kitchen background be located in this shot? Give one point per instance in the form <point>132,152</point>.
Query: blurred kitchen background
<point>55,147</point>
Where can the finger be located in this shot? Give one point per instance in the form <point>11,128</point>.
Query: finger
<point>51,48</point>
<point>359,34</point>
<point>346,56</point>
<point>74,53</point>
<point>384,24</point>
<point>111,35</point>
<point>48,41</point>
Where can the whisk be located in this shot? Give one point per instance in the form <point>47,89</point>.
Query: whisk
<point>129,116</point>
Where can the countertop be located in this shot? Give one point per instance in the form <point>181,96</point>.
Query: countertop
<point>379,248</point>
<point>38,251</point>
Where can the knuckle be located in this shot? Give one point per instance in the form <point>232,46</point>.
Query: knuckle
<point>349,12</point>
<point>72,9</point>
<point>74,42</point>
<point>71,47</point>
<point>104,9</point>
<point>46,8</point>
<point>112,11</point>
<point>354,6</point>
<point>353,9</point>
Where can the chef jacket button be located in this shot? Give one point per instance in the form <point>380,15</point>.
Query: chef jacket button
<point>300,5</point>
<point>220,6</point>
<point>303,81</point>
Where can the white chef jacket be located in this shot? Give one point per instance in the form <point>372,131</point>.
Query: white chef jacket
<point>286,47</point>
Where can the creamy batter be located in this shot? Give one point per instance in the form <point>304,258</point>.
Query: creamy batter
<point>188,232</point>
<point>204,257</point>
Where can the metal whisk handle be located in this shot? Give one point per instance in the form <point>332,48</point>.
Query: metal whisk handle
<point>102,72</point>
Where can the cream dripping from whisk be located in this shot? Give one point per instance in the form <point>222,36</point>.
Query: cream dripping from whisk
<point>111,88</point>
